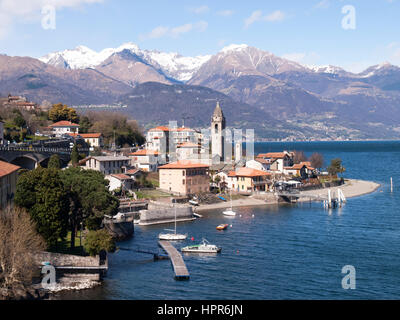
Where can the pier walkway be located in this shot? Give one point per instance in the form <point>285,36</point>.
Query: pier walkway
<point>181,272</point>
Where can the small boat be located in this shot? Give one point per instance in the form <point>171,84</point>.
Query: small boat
<point>222,226</point>
<point>172,236</point>
<point>203,247</point>
<point>197,215</point>
<point>230,212</point>
<point>194,202</point>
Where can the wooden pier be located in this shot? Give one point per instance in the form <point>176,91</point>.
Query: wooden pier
<point>181,272</point>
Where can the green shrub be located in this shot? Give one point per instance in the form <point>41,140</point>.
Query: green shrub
<point>97,241</point>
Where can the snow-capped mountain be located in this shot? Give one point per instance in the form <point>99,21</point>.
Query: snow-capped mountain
<point>172,65</point>
<point>327,69</point>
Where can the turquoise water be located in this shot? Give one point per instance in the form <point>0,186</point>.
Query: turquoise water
<point>281,252</point>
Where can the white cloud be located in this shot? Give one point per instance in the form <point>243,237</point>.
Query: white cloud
<point>225,13</point>
<point>14,11</point>
<point>175,32</point>
<point>255,16</point>
<point>324,4</point>
<point>200,10</point>
<point>275,16</point>
<point>258,16</point>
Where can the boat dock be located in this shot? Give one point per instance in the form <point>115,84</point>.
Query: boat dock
<point>181,272</point>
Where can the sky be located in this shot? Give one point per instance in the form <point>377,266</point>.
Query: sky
<point>353,34</point>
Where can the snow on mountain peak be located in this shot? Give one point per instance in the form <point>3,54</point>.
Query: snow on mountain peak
<point>172,64</point>
<point>234,47</point>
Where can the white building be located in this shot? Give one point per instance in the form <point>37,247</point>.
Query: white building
<point>106,164</point>
<point>258,164</point>
<point>120,181</point>
<point>93,139</point>
<point>146,160</point>
<point>64,127</point>
<point>188,151</point>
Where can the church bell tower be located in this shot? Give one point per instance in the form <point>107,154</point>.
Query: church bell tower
<point>217,133</point>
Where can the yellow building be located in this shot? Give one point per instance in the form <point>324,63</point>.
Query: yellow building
<point>8,183</point>
<point>184,177</point>
<point>249,180</point>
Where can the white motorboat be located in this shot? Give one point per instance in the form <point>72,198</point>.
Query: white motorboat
<point>203,247</point>
<point>230,212</point>
<point>173,236</point>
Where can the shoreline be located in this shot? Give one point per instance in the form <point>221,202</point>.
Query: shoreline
<point>351,188</point>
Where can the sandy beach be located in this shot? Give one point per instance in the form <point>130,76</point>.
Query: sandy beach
<point>351,188</point>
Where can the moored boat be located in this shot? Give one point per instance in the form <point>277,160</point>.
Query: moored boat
<point>222,226</point>
<point>203,247</point>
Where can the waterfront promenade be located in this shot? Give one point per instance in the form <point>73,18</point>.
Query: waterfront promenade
<point>351,188</point>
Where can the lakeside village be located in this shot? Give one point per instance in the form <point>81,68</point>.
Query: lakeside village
<point>75,184</point>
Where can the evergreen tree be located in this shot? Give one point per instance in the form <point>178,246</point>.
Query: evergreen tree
<point>41,192</point>
<point>75,155</point>
<point>54,162</point>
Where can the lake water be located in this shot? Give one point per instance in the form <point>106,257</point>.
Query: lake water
<point>281,252</point>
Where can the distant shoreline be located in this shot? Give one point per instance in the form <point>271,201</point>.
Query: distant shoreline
<point>352,188</point>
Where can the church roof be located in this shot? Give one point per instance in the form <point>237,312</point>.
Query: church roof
<point>218,111</point>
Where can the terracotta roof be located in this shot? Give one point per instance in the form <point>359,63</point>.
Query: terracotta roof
<point>164,128</point>
<point>7,168</point>
<point>184,164</point>
<point>262,160</point>
<point>144,152</point>
<point>132,171</point>
<point>121,176</point>
<point>188,145</point>
<point>273,155</point>
<point>64,124</point>
<point>300,165</point>
<point>160,128</point>
<point>248,172</point>
<point>86,135</point>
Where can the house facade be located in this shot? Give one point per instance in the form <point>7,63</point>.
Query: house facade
<point>8,183</point>
<point>120,180</point>
<point>92,139</point>
<point>277,160</point>
<point>64,127</point>
<point>184,177</point>
<point>146,160</point>
<point>249,180</point>
<point>106,164</point>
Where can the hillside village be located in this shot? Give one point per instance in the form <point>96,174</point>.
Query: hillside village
<point>119,177</point>
<point>177,160</point>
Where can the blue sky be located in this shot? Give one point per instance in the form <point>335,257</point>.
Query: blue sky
<point>308,31</point>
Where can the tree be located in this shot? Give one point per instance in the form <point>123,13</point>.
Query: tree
<point>59,112</point>
<point>19,242</point>
<point>84,124</point>
<point>299,156</point>
<point>317,160</point>
<point>41,192</point>
<point>111,124</point>
<point>89,199</point>
<point>54,162</point>
<point>75,155</point>
<point>97,241</point>
<point>336,167</point>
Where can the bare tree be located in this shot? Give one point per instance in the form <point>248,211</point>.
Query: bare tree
<point>19,242</point>
<point>299,156</point>
<point>317,160</point>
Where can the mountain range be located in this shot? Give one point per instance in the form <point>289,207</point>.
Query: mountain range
<point>281,99</point>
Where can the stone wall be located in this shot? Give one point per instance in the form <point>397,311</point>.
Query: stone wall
<point>157,214</point>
